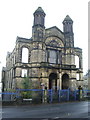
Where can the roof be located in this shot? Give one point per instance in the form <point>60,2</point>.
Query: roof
<point>54,27</point>
<point>54,31</point>
<point>67,18</point>
<point>20,39</point>
<point>39,9</point>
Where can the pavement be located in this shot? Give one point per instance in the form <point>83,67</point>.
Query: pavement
<point>77,110</point>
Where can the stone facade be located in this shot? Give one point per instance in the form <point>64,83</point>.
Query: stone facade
<point>49,59</point>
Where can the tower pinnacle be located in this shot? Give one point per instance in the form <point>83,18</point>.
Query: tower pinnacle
<point>68,19</point>
<point>39,16</point>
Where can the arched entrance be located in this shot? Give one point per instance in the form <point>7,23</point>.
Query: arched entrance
<point>53,81</point>
<point>65,81</point>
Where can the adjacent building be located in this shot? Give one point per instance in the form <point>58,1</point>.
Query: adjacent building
<point>86,81</point>
<point>48,58</point>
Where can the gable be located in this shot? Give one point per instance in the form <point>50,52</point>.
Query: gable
<point>54,31</point>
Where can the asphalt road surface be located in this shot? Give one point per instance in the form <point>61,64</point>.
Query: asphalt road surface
<point>44,111</point>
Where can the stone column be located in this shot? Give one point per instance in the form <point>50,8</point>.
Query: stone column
<point>60,81</point>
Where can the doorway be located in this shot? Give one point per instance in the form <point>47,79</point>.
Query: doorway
<point>65,81</point>
<point>53,81</point>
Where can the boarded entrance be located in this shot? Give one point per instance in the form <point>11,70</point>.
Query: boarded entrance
<point>53,81</point>
<point>65,81</point>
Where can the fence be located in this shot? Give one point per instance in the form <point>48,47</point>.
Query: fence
<point>42,96</point>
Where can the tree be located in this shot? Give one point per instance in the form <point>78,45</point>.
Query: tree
<point>26,84</point>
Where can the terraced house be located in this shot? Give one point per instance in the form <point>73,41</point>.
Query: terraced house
<point>48,58</point>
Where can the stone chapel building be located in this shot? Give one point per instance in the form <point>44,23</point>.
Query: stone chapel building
<point>48,58</point>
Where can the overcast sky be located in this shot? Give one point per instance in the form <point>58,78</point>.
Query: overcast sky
<point>16,19</point>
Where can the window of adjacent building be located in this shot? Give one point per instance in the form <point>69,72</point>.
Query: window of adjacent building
<point>52,56</point>
<point>77,61</point>
<point>24,72</point>
<point>24,55</point>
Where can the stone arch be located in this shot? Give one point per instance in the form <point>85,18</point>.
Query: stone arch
<point>78,53</point>
<point>65,81</point>
<point>53,81</point>
<point>54,41</point>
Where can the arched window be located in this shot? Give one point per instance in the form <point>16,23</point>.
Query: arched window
<point>77,61</point>
<point>24,55</point>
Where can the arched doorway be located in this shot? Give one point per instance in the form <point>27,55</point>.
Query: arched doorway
<point>53,81</point>
<point>65,81</point>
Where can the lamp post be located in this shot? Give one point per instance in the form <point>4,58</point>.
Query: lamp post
<point>43,89</point>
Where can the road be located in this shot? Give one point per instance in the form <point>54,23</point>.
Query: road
<point>44,111</point>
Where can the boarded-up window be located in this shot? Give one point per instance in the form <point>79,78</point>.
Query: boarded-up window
<point>52,56</point>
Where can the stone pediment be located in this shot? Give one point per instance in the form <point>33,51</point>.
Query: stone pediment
<point>54,37</point>
<point>54,31</point>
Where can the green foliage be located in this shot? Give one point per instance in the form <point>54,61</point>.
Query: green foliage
<point>11,90</point>
<point>27,94</point>
<point>26,84</point>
